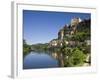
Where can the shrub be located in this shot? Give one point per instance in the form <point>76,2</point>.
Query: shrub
<point>77,58</point>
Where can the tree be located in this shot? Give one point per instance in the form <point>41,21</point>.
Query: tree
<point>26,47</point>
<point>67,51</point>
<point>77,58</point>
<point>80,36</point>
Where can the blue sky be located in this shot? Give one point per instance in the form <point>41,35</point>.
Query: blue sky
<point>43,26</point>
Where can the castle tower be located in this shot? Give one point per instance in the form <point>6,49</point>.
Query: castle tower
<point>74,23</point>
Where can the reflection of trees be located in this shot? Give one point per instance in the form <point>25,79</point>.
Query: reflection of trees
<point>68,57</point>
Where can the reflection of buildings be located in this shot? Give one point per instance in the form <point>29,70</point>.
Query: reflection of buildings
<point>59,57</point>
<point>54,55</point>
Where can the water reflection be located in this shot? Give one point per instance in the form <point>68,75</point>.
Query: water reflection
<point>59,57</point>
<point>43,60</point>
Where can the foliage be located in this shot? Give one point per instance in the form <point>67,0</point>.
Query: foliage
<point>77,58</point>
<point>26,47</point>
<point>80,36</point>
<point>84,26</point>
<point>66,51</point>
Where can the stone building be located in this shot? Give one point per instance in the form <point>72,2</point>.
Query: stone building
<point>75,21</point>
<point>53,43</point>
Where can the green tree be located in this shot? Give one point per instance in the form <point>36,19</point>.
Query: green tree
<point>80,36</point>
<point>77,58</point>
<point>26,47</point>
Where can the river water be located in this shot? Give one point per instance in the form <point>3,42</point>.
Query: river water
<point>38,60</point>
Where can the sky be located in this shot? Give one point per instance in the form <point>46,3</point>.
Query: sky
<point>43,26</point>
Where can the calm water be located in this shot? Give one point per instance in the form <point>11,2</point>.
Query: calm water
<point>39,60</point>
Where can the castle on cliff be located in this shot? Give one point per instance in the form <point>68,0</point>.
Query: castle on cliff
<point>66,31</point>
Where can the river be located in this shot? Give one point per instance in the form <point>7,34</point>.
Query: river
<point>38,60</point>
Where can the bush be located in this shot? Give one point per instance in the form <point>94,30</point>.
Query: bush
<point>77,58</point>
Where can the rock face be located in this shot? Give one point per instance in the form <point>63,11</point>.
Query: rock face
<point>65,31</point>
<point>69,29</point>
<point>61,34</point>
